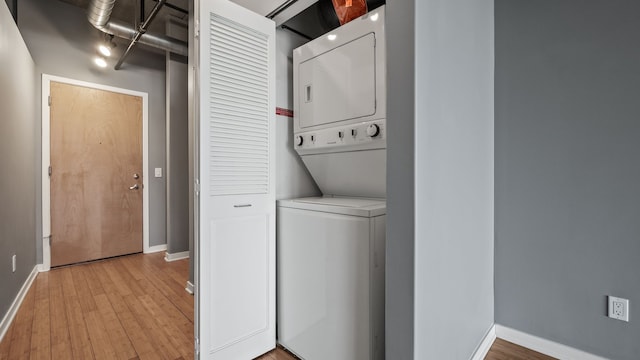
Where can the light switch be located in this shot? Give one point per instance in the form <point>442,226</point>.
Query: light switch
<point>158,172</point>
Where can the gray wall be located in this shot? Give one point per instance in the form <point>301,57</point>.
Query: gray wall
<point>568,171</point>
<point>292,177</point>
<point>177,146</point>
<point>63,43</point>
<point>401,101</point>
<point>448,171</point>
<point>18,176</point>
<point>454,177</point>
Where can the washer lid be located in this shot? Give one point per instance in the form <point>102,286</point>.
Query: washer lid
<point>339,205</point>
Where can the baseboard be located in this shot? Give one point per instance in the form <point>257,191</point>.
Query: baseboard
<point>155,249</point>
<point>13,309</point>
<point>485,345</point>
<point>543,346</point>
<point>176,256</point>
<point>189,287</point>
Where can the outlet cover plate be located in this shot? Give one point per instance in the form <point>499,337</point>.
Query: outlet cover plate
<point>618,308</point>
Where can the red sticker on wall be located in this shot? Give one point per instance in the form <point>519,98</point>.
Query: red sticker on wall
<point>284,112</point>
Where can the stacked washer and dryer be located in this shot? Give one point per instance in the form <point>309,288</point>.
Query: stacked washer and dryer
<point>331,249</point>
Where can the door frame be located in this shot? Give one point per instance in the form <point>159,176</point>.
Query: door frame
<point>46,159</point>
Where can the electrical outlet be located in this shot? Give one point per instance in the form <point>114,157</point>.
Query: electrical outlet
<point>618,308</point>
<point>13,263</point>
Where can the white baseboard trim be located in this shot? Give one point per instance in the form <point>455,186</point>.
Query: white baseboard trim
<point>13,309</point>
<point>543,346</point>
<point>485,345</point>
<point>155,249</point>
<point>189,287</point>
<point>176,256</point>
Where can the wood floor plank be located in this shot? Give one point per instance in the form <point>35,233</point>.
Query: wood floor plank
<point>135,271</point>
<point>41,331</point>
<point>177,283</point>
<point>21,336</point>
<point>119,339</point>
<point>5,345</point>
<point>116,277</point>
<point>138,337</point>
<point>60,339</point>
<point>177,339</point>
<point>504,350</point>
<point>99,336</point>
<point>175,315</point>
<point>95,286</point>
<point>80,342</point>
<point>181,300</point>
<point>151,327</point>
<point>277,354</point>
<point>83,291</point>
<point>119,269</point>
<point>68,288</point>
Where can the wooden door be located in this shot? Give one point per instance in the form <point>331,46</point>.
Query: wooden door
<point>96,178</point>
<point>236,238</point>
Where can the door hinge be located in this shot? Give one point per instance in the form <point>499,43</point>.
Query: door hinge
<point>196,29</point>
<point>49,100</point>
<point>196,346</point>
<point>196,187</point>
<point>50,236</point>
<point>50,171</point>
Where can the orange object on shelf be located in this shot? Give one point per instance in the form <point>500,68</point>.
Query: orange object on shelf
<point>348,10</point>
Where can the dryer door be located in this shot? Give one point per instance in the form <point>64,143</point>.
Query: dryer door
<point>339,84</point>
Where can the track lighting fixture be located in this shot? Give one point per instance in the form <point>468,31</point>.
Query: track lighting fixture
<point>100,61</point>
<point>106,46</point>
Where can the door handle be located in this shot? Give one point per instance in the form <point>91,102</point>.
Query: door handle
<point>134,187</point>
<point>242,205</point>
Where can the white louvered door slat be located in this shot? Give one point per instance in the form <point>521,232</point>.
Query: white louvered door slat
<point>236,242</point>
<point>229,59</point>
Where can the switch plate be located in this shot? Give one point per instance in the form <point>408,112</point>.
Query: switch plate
<point>158,172</point>
<point>13,263</point>
<point>618,308</point>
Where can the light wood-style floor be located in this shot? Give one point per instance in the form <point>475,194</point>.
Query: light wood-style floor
<point>131,307</point>
<point>504,350</point>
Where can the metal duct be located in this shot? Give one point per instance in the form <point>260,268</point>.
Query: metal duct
<point>99,15</point>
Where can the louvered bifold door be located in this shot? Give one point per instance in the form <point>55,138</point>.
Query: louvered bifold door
<point>236,252</point>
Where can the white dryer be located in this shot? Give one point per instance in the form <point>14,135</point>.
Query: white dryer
<point>330,270</point>
<point>340,111</point>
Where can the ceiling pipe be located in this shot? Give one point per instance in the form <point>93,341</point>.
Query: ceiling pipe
<point>99,15</point>
<point>142,29</point>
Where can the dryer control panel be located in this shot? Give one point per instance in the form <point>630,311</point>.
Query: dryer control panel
<point>359,136</point>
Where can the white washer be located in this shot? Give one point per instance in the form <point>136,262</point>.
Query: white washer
<point>330,270</point>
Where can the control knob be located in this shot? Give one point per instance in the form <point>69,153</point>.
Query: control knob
<point>373,130</point>
<point>299,140</point>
